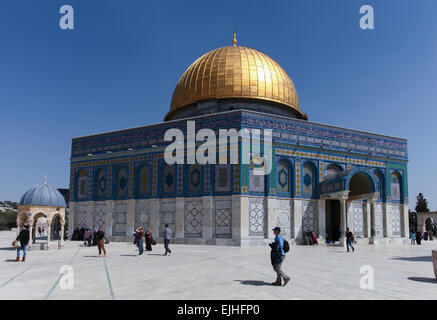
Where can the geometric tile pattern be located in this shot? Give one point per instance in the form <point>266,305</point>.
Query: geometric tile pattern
<point>355,218</point>
<point>283,220</point>
<point>256,216</point>
<point>168,216</point>
<point>193,219</point>
<point>379,229</point>
<point>99,217</point>
<point>395,221</point>
<point>223,219</point>
<point>309,216</point>
<point>119,219</point>
<point>283,176</point>
<point>80,216</point>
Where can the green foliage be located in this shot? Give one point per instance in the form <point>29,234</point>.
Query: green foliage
<point>421,204</point>
<point>10,217</point>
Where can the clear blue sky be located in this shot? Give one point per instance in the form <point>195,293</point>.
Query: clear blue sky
<point>118,69</point>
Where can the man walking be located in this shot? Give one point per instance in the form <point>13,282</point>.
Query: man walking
<point>167,239</point>
<point>23,237</point>
<point>349,240</point>
<point>139,239</point>
<point>277,257</point>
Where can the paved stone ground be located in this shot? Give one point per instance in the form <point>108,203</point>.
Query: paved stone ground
<point>201,272</point>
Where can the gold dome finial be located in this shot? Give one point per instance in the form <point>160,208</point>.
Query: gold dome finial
<point>234,41</point>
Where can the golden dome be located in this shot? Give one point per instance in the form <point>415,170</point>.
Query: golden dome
<point>235,72</point>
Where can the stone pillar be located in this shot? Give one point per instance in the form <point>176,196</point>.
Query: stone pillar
<point>367,220</point>
<point>322,220</point>
<point>49,232</point>
<point>207,218</point>
<point>130,219</point>
<point>296,230</point>
<point>62,234</point>
<point>90,214</point>
<point>405,221</point>
<point>271,216</point>
<point>236,218</point>
<point>387,221</point>
<point>343,221</point>
<point>180,218</point>
<point>110,214</point>
<point>241,221</point>
<point>372,220</point>
<point>155,212</point>
<point>71,214</point>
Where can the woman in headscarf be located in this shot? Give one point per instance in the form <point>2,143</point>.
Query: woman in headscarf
<point>149,240</point>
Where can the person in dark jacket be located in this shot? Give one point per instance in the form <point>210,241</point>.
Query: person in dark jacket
<point>100,235</point>
<point>23,237</point>
<point>418,237</point>
<point>139,238</point>
<point>277,256</point>
<point>349,240</point>
<point>149,240</point>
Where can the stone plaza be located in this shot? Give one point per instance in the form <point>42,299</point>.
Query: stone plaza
<point>217,272</point>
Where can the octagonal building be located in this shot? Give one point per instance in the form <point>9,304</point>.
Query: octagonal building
<point>323,179</point>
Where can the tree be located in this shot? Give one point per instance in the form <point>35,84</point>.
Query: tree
<point>10,217</point>
<point>421,204</point>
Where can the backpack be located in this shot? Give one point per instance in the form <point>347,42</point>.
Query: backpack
<point>286,246</point>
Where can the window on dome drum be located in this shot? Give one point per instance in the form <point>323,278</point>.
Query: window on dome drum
<point>308,179</point>
<point>82,183</point>
<point>395,183</point>
<point>284,174</point>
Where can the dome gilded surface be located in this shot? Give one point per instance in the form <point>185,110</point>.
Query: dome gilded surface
<point>235,72</point>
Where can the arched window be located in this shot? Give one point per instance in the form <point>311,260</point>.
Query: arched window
<point>308,179</point>
<point>284,176</point>
<point>82,184</point>
<point>395,183</point>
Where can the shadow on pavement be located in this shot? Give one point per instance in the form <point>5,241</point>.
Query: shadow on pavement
<point>256,283</point>
<point>10,260</point>
<point>128,255</point>
<point>7,248</point>
<point>423,279</point>
<point>421,259</point>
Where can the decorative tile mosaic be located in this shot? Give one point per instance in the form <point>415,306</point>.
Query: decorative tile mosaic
<point>168,216</point>
<point>355,219</point>
<point>223,218</point>
<point>395,220</point>
<point>119,219</point>
<point>193,218</point>
<point>256,216</point>
<point>99,217</point>
<point>309,216</point>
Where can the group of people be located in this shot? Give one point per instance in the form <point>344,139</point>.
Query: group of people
<point>140,234</point>
<point>138,239</point>
<point>416,237</point>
